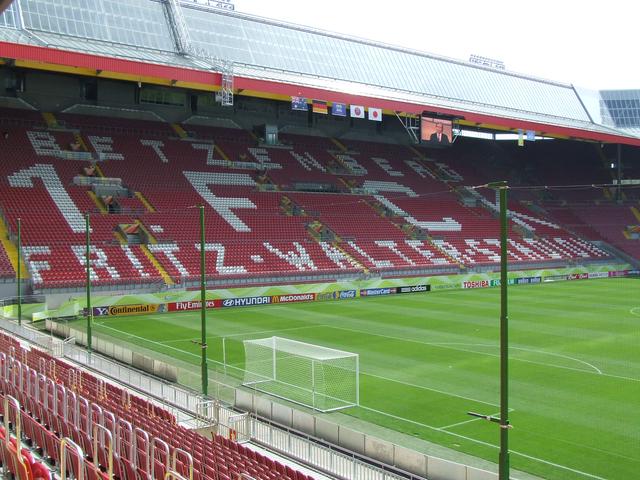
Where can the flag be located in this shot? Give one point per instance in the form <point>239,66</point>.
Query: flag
<point>375,114</point>
<point>339,109</point>
<point>299,103</point>
<point>357,111</point>
<point>531,135</point>
<point>520,138</point>
<point>320,106</point>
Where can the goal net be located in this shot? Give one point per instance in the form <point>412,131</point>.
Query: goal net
<point>318,377</point>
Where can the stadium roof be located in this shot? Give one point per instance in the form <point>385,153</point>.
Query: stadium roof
<point>280,60</point>
<point>624,108</point>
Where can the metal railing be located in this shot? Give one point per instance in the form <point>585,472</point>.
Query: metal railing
<point>228,421</point>
<point>318,454</point>
<point>241,426</point>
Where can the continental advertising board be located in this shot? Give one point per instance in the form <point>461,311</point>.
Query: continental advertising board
<point>126,310</point>
<point>256,296</point>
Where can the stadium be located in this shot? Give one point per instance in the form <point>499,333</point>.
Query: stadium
<point>234,248</point>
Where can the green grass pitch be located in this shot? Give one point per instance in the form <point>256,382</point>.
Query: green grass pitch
<point>428,358</point>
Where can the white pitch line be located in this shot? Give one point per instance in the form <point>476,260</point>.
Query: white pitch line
<point>635,311</point>
<point>438,429</point>
<point>274,331</point>
<point>436,344</point>
<point>467,421</point>
<point>431,389</point>
<point>579,472</point>
<point>422,387</point>
<point>444,345</point>
<point>532,350</point>
<point>311,326</point>
<point>260,332</point>
<point>414,422</point>
<point>513,452</point>
<point>610,375</point>
<point>150,341</point>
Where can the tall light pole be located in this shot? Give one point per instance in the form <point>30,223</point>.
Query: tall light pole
<point>19,273</point>
<point>203,300</point>
<point>88,268</point>
<point>503,420</point>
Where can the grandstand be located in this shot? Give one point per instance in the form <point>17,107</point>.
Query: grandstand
<point>282,231</point>
<point>310,192</point>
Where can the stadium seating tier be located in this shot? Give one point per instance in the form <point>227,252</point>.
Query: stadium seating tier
<point>381,208</point>
<point>145,434</point>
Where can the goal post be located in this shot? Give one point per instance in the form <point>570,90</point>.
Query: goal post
<point>318,377</point>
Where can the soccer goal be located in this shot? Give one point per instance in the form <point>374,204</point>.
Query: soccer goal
<point>318,377</point>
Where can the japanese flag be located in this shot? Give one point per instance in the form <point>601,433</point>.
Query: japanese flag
<point>375,114</point>
<point>357,111</point>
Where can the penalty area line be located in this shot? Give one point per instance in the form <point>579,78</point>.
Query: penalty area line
<point>449,345</point>
<point>452,346</point>
<point>149,341</point>
<point>260,332</point>
<point>480,442</point>
<point>531,350</point>
<point>469,421</point>
<point>422,387</point>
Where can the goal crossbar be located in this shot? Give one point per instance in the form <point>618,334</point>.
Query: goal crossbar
<point>319,377</point>
<point>296,347</point>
